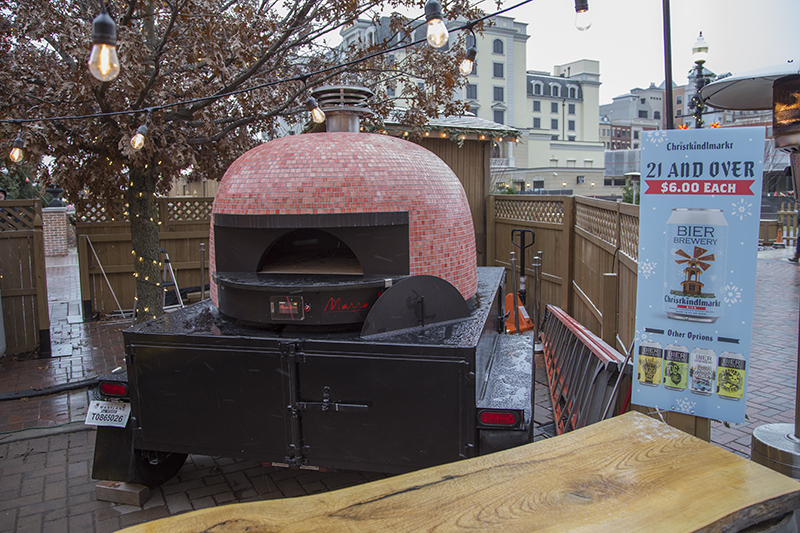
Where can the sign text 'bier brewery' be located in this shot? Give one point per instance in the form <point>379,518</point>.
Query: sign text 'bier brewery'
<point>698,234</point>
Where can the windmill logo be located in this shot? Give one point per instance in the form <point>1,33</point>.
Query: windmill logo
<point>696,264</point>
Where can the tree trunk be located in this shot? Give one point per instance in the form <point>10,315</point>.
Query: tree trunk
<point>143,213</point>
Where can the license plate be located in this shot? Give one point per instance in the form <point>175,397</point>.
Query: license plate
<point>114,414</point>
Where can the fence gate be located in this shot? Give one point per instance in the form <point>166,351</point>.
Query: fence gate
<point>23,279</point>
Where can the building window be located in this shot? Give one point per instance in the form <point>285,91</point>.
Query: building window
<point>421,85</point>
<point>643,113</point>
<point>573,93</point>
<point>497,94</point>
<point>642,100</point>
<point>571,109</point>
<point>679,112</point>
<point>580,180</point>
<point>571,125</point>
<point>537,123</point>
<point>657,115</point>
<point>497,70</point>
<point>554,138</point>
<point>636,134</point>
<point>679,100</point>
<point>537,88</point>
<point>471,40</point>
<point>538,184</point>
<point>537,105</point>
<point>472,91</point>
<point>499,116</point>
<point>554,107</point>
<point>473,110</point>
<point>554,90</point>
<point>571,137</point>
<point>553,123</point>
<point>390,92</point>
<point>497,46</point>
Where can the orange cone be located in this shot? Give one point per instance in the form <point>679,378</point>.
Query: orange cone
<point>779,241</point>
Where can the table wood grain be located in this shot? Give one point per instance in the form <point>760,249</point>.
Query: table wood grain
<point>628,473</point>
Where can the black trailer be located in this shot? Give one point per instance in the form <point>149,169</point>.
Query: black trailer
<point>200,382</point>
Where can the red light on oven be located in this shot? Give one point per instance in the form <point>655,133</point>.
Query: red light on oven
<point>114,389</point>
<point>498,418</point>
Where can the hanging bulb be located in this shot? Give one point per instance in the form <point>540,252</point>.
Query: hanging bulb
<point>582,20</point>
<point>437,30</point>
<point>469,61</point>
<point>137,141</point>
<point>317,114</point>
<point>103,60</point>
<point>16,149</point>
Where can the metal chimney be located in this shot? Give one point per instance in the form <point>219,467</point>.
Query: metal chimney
<point>344,105</point>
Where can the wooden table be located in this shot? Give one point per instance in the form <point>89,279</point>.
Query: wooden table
<point>624,474</point>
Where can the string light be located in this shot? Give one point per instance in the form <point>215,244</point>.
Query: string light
<point>137,141</point>
<point>582,20</point>
<point>469,61</point>
<point>16,149</point>
<point>437,35</point>
<point>103,60</point>
<point>317,114</point>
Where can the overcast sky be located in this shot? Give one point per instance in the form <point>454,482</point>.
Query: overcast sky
<point>627,37</point>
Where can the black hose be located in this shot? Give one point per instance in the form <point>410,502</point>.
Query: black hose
<point>46,391</point>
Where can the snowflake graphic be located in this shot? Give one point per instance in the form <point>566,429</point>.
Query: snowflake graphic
<point>742,209</point>
<point>643,336</point>
<point>647,268</point>
<point>685,405</point>
<point>657,137</point>
<point>731,294</point>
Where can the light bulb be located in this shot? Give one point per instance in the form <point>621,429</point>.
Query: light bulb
<point>16,150</point>
<point>137,141</point>
<point>437,30</point>
<point>469,61</point>
<point>103,60</point>
<point>437,33</point>
<point>583,21</point>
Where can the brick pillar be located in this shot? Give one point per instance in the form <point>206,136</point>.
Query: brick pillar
<point>54,222</point>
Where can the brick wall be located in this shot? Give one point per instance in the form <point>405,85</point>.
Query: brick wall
<point>55,228</point>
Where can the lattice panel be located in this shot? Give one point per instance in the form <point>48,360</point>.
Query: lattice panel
<point>187,209</point>
<point>116,211</point>
<point>17,218</point>
<point>530,211</point>
<point>629,235</point>
<point>599,222</point>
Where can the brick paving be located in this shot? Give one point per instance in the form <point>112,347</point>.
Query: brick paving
<point>45,482</point>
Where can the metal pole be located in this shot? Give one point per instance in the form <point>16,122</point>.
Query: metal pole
<point>514,291</point>
<point>202,271</point>
<point>670,124</point>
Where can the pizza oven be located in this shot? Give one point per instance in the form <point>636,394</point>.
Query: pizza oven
<point>313,229</point>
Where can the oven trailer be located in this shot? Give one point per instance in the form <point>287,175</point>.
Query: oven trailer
<point>437,386</point>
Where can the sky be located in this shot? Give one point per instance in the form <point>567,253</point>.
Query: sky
<point>627,37</point>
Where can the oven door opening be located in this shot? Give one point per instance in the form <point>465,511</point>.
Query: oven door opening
<point>310,251</point>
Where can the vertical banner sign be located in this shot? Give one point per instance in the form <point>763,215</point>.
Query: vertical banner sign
<point>698,243</point>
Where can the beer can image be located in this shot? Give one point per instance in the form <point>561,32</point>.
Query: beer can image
<point>702,371</point>
<point>676,367</point>
<point>730,376</point>
<point>651,357</point>
<point>694,277</point>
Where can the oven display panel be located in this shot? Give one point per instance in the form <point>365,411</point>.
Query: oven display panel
<point>286,307</point>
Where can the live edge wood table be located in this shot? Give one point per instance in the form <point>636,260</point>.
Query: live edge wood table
<point>624,474</point>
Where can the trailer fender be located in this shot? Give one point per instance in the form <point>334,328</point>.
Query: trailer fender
<point>113,454</point>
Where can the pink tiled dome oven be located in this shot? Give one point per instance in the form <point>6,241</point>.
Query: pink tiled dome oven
<point>342,228</point>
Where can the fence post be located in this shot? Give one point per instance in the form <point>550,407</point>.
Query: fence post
<point>43,310</point>
<point>83,270</point>
<point>566,250</point>
<point>491,230</point>
<point>610,308</point>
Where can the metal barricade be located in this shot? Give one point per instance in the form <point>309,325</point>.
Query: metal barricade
<point>581,371</point>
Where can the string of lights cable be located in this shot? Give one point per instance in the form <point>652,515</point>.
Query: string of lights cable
<point>105,38</point>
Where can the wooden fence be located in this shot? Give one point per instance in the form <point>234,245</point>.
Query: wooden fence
<point>589,265</point>
<point>104,250</point>
<point>23,279</point>
<point>787,223</point>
